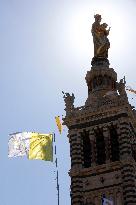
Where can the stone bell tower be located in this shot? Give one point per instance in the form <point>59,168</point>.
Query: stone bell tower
<point>102,133</point>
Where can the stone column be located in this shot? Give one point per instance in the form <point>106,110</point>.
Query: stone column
<point>92,141</point>
<point>75,149</point>
<point>106,135</point>
<point>123,131</point>
<point>76,166</point>
<point>118,197</point>
<point>127,168</point>
<point>76,190</point>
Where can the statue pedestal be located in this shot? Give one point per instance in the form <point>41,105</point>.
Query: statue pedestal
<point>100,62</point>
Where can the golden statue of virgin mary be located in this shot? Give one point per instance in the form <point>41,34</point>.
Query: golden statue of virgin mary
<point>100,39</point>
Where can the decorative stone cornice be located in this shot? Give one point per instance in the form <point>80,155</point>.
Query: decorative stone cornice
<point>99,169</point>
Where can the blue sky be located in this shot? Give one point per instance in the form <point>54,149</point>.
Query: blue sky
<point>46,47</point>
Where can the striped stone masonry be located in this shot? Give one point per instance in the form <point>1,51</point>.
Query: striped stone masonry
<point>76,165</point>
<point>75,150</point>
<point>76,191</point>
<point>128,169</point>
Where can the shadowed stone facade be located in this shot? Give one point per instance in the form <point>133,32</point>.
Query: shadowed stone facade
<point>102,141</point>
<point>102,137</point>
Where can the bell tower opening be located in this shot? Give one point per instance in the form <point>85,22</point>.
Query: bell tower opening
<point>114,144</point>
<point>87,152</point>
<point>100,147</point>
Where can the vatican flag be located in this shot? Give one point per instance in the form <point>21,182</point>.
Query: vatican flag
<point>59,124</point>
<point>18,144</point>
<point>41,147</point>
<point>31,144</point>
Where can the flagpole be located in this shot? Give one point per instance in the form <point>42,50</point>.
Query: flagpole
<point>58,185</point>
<point>56,162</point>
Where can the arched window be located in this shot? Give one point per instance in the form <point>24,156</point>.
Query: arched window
<point>114,144</point>
<point>86,149</point>
<point>100,146</point>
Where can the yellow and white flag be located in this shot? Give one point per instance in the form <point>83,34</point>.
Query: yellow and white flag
<point>41,147</point>
<point>33,145</point>
<point>18,144</point>
<point>59,123</point>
